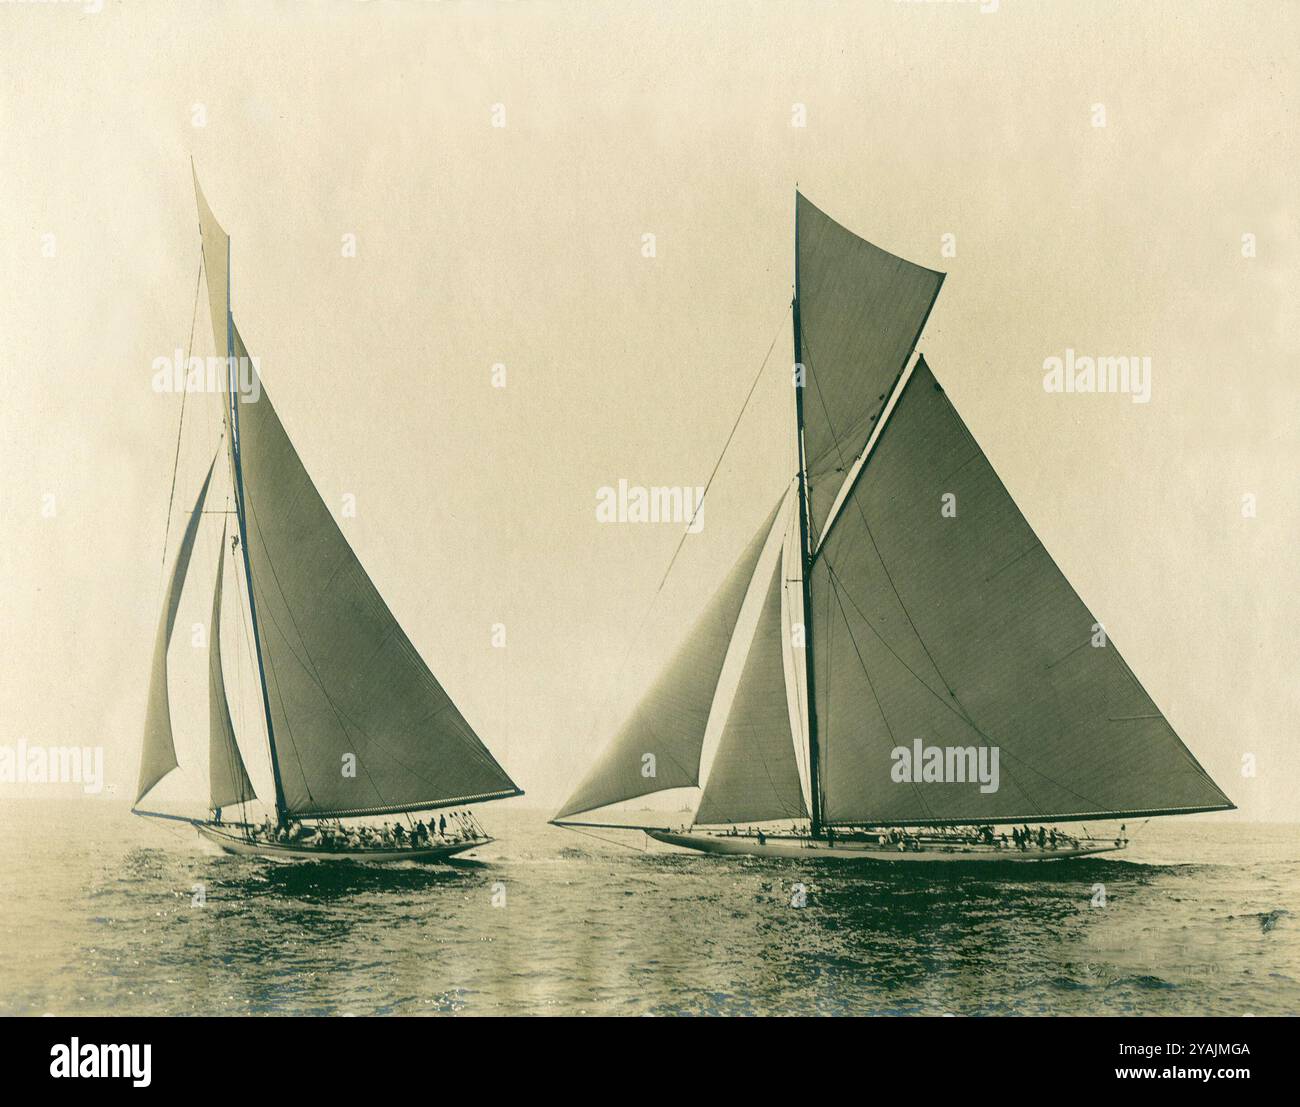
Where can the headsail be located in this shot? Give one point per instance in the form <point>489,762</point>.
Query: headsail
<point>861,310</point>
<point>158,756</point>
<point>961,632</point>
<point>228,779</point>
<point>669,723</point>
<point>754,775</point>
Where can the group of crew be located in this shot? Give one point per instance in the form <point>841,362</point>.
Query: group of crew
<point>1022,837</point>
<point>447,828</point>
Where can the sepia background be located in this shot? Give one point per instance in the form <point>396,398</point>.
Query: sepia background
<point>479,244</point>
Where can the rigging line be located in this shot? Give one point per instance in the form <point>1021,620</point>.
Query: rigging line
<point>798,740</point>
<point>824,754</point>
<point>964,713</point>
<point>315,673</point>
<point>645,615</point>
<point>846,467</point>
<point>180,424</point>
<point>469,741</point>
<point>916,788</point>
<point>268,667</point>
<point>172,830</point>
<point>1116,657</point>
<point>718,464</point>
<point>349,563</point>
<point>607,841</point>
<point>246,624</point>
<point>309,666</point>
<point>1111,648</point>
<point>342,716</point>
<point>821,399</point>
<point>234,760</point>
<point>776,793</point>
<point>963,717</point>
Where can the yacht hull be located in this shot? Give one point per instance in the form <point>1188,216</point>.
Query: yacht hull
<point>805,849</point>
<point>234,843</point>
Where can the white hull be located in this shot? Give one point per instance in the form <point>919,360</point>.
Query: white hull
<point>234,843</point>
<point>805,849</point>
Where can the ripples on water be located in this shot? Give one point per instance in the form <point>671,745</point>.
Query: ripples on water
<point>100,915</point>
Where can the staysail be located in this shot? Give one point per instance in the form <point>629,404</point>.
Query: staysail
<point>943,622</point>
<point>659,746</point>
<point>228,779</point>
<point>861,311</point>
<point>754,775</point>
<point>158,756</point>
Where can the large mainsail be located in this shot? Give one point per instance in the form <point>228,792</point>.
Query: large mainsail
<point>754,775</point>
<point>158,756</point>
<point>659,746</point>
<point>958,630</point>
<point>227,778</point>
<point>356,722</point>
<point>861,311</point>
<point>361,725</point>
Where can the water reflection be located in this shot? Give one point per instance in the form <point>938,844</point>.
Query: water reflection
<point>141,921</point>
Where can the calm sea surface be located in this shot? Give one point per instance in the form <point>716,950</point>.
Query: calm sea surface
<point>100,915</point>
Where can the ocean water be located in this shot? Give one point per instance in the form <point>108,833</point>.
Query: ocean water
<point>103,913</point>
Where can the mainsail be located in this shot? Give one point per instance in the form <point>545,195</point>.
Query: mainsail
<point>754,774</point>
<point>227,778</point>
<point>957,628</point>
<point>158,757</point>
<point>659,746</point>
<point>361,724</point>
<point>356,723</point>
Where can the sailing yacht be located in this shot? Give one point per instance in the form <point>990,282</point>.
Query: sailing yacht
<point>355,722</point>
<point>947,679</point>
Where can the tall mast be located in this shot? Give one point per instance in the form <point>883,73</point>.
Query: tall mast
<point>243,540</point>
<point>805,554</point>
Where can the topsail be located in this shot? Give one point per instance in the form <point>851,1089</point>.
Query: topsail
<point>861,312</point>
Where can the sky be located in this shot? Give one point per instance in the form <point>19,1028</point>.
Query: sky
<point>1086,174</point>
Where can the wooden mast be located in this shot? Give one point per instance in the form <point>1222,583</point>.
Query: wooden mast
<point>805,551</point>
<point>241,515</point>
